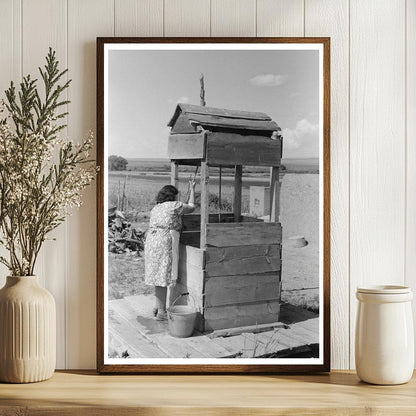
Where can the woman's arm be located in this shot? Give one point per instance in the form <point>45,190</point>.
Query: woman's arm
<point>190,206</point>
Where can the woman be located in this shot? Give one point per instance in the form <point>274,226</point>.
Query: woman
<point>162,243</point>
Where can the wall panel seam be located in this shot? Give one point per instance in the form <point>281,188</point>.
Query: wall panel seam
<point>21,39</point>
<point>405,145</point>
<point>304,18</point>
<point>210,18</point>
<point>66,222</point>
<point>349,184</point>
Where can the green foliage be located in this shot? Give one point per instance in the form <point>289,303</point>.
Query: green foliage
<point>41,176</point>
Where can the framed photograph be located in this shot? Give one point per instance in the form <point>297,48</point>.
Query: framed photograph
<point>213,214</point>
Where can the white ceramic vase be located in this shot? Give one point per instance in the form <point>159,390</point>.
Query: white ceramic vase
<point>384,338</point>
<point>27,331</point>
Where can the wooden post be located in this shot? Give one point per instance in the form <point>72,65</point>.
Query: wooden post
<point>202,92</point>
<point>174,178</point>
<point>123,197</point>
<point>238,182</point>
<point>274,194</point>
<point>219,194</point>
<point>118,195</point>
<point>204,203</point>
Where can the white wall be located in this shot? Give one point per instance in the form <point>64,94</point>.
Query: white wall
<point>373,131</point>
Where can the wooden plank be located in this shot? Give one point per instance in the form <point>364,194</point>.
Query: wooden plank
<point>216,254</point>
<point>377,103</point>
<point>411,151</point>
<point>236,149</point>
<point>191,238</point>
<point>241,315</point>
<point>253,329</point>
<point>84,393</point>
<point>124,328</point>
<point>204,203</point>
<point>174,176</point>
<point>280,17</point>
<point>229,261</point>
<point>191,277</point>
<point>238,234</point>
<point>53,258</point>
<point>233,18</point>
<point>252,347</point>
<point>234,290</point>
<point>215,122</point>
<point>187,18</point>
<point>238,186</point>
<point>246,218</point>
<point>331,18</point>
<point>310,325</point>
<point>235,345</point>
<point>191,255</point>
<point>197,346</point>
<point>274,194</point>
<point>86,19</point>
<point>186,146</point>
<point>138,17</point>
<point>153,331</point>
<point>278,339</point>
<point>291,314</point>
<point>192,109</point>
<point>306,332</point>
<point>192,222</point>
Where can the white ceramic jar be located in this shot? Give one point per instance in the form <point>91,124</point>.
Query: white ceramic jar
<point>384,337</point>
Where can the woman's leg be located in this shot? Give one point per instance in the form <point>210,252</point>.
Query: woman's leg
<point>161,293</point>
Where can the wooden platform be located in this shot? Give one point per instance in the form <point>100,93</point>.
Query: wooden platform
<point>86,393</point>
<point>132,328</point>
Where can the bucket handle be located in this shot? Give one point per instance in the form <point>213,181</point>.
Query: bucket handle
<point>184,294</point>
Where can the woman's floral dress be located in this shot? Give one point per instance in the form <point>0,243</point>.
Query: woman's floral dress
<point>162,241</point>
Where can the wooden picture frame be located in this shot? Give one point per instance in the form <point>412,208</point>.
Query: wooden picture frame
<point>207,133</point>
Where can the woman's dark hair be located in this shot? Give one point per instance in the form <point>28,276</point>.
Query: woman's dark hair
<point>167,193</point>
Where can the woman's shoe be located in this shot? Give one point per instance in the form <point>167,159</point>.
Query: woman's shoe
<point>154,311</point>
<point>161,316</point>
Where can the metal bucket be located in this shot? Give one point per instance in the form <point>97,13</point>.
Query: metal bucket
<point>181,319</point>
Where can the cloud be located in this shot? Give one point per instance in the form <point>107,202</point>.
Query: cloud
<point>268,80</point>
<point>302,141</point>
<point>183,100</point>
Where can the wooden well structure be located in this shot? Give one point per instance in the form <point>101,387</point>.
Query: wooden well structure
<point>230,263</point>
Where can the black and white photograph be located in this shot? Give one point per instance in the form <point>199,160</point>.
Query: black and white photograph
<point>213,204</point>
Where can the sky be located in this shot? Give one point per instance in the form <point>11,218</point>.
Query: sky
<point>145,86</point>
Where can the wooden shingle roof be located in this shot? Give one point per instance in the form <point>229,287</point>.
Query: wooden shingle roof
<point>187,117</point>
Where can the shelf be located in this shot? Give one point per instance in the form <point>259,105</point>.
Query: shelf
<point>86,393</point>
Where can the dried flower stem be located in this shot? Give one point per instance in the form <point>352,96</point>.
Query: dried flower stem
<point>41,176</point>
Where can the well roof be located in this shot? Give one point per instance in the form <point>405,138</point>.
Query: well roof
<point>187,116</point>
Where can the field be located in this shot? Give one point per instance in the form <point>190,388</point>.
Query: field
<point>299,216</point>
<point>163,165</point>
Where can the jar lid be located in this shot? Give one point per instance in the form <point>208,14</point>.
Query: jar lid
<point>384,289</point>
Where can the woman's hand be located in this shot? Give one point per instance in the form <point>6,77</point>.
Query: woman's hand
<point>192,182</point>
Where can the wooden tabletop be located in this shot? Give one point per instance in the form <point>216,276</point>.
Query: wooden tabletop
<point>86,393</point>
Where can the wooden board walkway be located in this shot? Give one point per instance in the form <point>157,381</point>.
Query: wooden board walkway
<point>132,329</point>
